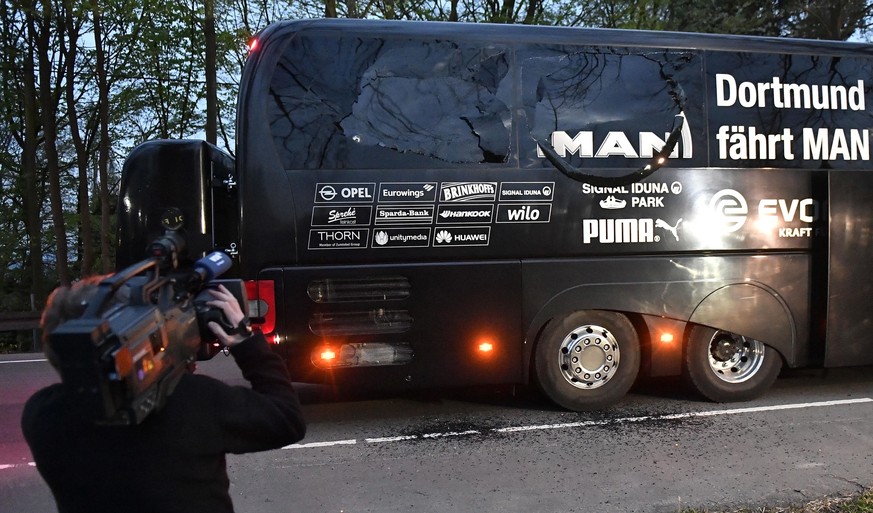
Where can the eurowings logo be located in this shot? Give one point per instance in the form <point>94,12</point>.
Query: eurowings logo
<point>618,144</point>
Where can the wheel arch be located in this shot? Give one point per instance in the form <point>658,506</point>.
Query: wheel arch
<point>748,308</point>
<point>751,309</point>
<point>623,298</point>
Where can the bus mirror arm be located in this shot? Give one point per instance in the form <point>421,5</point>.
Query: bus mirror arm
<point>657,161</point>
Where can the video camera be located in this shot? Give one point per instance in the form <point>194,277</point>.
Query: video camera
<point>141,331</point>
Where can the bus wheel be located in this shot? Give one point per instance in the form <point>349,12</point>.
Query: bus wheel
<point>726,367</point>
<point>588,359</point>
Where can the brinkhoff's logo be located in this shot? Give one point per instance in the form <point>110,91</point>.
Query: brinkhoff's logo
<point>468,191</point>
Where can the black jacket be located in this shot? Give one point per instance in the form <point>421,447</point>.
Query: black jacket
<point>175,459</point>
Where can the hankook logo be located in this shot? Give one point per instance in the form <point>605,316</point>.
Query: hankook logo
<point>730,209</point>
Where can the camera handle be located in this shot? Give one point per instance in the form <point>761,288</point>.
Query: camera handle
<point>109,286</point>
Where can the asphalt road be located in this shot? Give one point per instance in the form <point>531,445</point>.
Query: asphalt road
<point>501,450</point>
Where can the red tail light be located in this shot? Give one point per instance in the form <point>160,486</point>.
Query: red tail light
<point>262,305</point>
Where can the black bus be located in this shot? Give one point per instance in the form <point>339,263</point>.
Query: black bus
<point>418,204</point>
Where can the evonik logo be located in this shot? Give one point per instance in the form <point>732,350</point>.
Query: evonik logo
<point>730,209</point>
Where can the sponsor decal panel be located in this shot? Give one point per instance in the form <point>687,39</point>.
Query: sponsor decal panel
<point>401,238</point>
<point>345,192</point>
<point>413,192</point>
<point>465,213</point>
<point>348,215</point>
<point>404,215</point>
<point>524,213</point>
<point>730,210</point>
<point>455,236</point>
<point>749,142</point>
<point>451,192</point>
<point>527,191</point>
<point>328,238</point>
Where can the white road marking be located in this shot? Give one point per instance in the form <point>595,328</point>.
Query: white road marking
<point>390,439</point>
<point>589,423</point>
<point>24,361</point>
<point>320,444</point>
<point>14,465</point>
<point>451,433</point>
<point>566,425</point>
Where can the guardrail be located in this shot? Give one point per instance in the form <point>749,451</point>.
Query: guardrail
<point>14,321</point>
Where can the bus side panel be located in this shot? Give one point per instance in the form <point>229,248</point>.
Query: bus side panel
<point>448,310</point>
<point>850,269</point>
<point>676,288</point>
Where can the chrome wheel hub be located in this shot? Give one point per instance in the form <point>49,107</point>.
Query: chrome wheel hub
<point>588,357</point>
<point>734,358</point>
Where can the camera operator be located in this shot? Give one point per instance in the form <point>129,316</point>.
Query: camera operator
<point>175,459</point>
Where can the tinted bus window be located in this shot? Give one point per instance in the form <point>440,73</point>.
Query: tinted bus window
<point>606,107</point>
<point>362,103</point>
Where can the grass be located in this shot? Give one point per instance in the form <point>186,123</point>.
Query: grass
<point>858,503</point>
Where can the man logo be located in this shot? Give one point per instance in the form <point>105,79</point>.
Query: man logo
<point>729,209</point>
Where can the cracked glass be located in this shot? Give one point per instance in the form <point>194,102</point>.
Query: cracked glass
<point>339,103</point>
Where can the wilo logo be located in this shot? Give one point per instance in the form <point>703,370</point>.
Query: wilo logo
<point>730,209</point>
<point>617,143</point>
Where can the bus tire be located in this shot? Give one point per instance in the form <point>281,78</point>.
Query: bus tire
<point>587,359</point>
<point>726,367</point>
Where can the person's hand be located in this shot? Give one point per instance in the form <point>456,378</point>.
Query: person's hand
<point>228,304</point>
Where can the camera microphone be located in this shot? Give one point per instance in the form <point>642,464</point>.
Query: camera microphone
<point>212,265</point>
<point>205,270</point>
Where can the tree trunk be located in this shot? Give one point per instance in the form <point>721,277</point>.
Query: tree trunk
<point>50,136</point>
<point>103,143</point>
<point>31,198</point>
<point>211,75</point>
<point>86,240</point>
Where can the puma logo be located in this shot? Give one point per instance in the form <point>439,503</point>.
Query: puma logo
<point>660,223</point>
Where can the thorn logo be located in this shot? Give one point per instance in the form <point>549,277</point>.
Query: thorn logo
<point>443,237</point>
<point>729,209</point>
